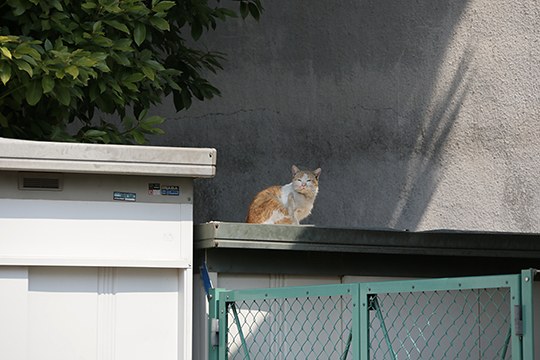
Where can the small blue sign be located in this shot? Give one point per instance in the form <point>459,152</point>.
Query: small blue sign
<point>163,190</point>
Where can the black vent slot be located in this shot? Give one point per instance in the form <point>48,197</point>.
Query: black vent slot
<point>40,182</point>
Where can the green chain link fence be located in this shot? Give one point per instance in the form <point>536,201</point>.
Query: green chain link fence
<point>462,318</point>
<point>462,324</point>
<point>306,328</point>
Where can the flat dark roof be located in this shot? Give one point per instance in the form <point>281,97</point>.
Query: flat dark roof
<point>258,248</point>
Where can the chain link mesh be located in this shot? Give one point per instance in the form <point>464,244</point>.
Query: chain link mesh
<point>461,324</point>
<point>291,328</point>
<point>443,324</point>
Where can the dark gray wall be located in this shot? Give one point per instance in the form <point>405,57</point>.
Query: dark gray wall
<point>422,114</point>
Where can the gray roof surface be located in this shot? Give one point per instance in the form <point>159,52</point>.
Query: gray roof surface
<point>23,155</point>
<point>310,238</point>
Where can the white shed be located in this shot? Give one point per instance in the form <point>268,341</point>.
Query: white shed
<point>96,250</point>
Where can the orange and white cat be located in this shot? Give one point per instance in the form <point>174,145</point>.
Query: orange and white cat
<point>287,204</point>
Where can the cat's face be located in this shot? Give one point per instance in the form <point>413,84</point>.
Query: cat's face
<point>305,181</point>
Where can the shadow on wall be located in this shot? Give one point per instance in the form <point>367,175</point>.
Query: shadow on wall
<point>365,90</point>
<point>420,177</point>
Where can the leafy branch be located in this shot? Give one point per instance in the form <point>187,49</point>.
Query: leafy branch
<point>64,64</point>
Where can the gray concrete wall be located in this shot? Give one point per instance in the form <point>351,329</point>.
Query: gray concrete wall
<point>422,114</point>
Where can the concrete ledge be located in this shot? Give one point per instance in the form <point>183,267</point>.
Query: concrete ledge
<point>310,238</point>
<point>23,155</point>
<point>308,250</point>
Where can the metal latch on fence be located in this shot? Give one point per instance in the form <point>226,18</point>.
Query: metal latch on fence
<point>214,332</point>
<point>214,323</point>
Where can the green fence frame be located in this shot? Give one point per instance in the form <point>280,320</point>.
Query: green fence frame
<point>364,299</point>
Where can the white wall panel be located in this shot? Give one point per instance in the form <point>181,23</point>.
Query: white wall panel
<point>146,314</point>
<point>66,313</point>
<point>55,231</point>
<point>62,313</point>
<point>13,315</point>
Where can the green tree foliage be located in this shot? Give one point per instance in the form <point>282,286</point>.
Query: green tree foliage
<point>63,61</point>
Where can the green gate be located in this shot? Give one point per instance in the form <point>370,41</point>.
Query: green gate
<point>488,317</point>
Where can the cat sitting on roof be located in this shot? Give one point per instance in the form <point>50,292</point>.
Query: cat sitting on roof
<point>287,204</point>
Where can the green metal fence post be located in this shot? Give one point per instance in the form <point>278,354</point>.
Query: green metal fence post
<point>363,325</point>
<point>223,327</point>
<point>356,311</point>
<point>527,312</point>
<point>515,317</point>
<point>213,324</point>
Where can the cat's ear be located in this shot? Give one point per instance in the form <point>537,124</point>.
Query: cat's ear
<point>295,169</point>
<point>317,172</point>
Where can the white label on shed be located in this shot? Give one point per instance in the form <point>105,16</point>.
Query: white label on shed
<point>124,196</point>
